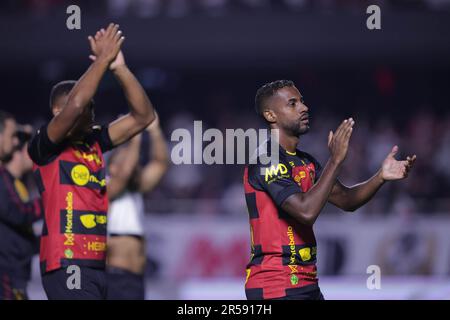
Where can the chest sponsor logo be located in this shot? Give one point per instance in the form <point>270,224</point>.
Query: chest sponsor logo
<point>80,175</point>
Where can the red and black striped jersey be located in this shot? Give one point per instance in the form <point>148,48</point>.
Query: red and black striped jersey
<point>283,257</point>
<point>71,180</point>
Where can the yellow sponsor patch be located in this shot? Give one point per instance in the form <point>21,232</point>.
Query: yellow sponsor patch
<point>80,174</point>
<point>89,221</point>
<point>305,254</point>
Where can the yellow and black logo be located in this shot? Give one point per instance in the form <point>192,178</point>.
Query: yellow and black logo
<point>80,175</point>
<point>294,255</point>
<point>90,221</point>
<point>305,254</point>
<point>81,222</point>
<point>274,172</point>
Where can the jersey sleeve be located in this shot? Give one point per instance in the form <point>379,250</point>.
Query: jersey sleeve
<point>41,149</point>
<point>318,168</point>
<point>276,180</point>
<point>101,135</point>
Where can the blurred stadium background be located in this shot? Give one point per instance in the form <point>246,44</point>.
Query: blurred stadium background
<point>204,60</point>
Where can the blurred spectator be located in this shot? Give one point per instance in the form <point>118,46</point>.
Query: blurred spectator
<point>177,8</point>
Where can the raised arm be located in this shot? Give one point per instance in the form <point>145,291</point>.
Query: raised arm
<point>153,172</point>
<point>141,109</point>
<point>306,207</point>
<point>351,198</point>
<point>80,96</point>
<point>123,167</point>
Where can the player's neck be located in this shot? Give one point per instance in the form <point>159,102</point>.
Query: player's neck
<point>289,143</point>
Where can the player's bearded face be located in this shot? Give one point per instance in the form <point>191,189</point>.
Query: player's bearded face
<point>297,127</point>
<point>292,113</point>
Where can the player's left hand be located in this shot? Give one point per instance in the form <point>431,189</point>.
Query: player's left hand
<point>393,169</point>
<point>117,62</point>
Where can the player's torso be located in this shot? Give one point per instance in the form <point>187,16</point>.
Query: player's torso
<point>73,189</point>
<point>283,250</point>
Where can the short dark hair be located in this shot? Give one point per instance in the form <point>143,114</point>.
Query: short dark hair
<point>267,91</point>
<point>4,116</point>
<point>60,89</point>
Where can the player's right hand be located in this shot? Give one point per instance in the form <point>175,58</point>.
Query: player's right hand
<point>106,44</point>
<point>338,141</point>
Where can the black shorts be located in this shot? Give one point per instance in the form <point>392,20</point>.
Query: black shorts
<point>309,292</point>
<point>61,285</point>
<point>125,285</point>
<point>310,295</point>
<point>12,287</point>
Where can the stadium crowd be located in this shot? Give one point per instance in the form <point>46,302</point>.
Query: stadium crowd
<point>390,107</point>
<point>180,8</point>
